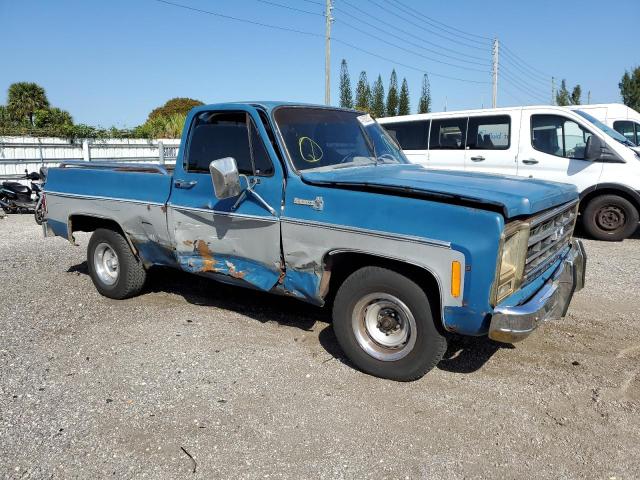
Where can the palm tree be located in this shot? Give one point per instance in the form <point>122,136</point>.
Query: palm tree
<point>24,98</point>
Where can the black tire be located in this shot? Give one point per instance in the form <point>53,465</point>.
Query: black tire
<point>131,275</point>
<point>39,215</point>
<point>610,218</point>
<point>371,282</point>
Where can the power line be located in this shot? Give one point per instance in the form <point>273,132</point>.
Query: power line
<point>313,34</point>
<point>432,21</point>
<point>237,19</point>
<point>536,71</point>
<point>522,71</point>
<point>410,51</point>
<point>521,87</point>
<point>422,27</point>
<point>394,62</point>
<point>267,2</point>
<point>386,32</point>
<point>395,27</point>
<point>529,86</point>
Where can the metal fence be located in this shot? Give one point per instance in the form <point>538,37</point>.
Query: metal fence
<point>18,154</point>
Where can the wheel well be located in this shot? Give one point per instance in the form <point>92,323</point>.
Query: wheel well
<point>584,201</point>
<point>343,264</point>
<point>88,223</point>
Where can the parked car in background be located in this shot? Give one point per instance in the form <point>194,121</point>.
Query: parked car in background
<point>541,142</point>
<point>618,116</point>
<point>320,204</point>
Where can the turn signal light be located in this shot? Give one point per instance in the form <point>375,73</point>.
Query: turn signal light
<point>456,279</point>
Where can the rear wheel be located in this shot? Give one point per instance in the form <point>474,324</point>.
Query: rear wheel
<point>383,323</point>
<point>113,267</point>
<point>610,217</point>
<point>39,215</point>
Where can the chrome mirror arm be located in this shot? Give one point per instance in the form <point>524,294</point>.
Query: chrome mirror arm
<point>250,184</point>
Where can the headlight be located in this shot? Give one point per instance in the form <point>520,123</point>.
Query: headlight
<point>512,260</point>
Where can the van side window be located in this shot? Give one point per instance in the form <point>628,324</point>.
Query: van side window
<point>410,135</point>
<point>558,136</point>
<point>216,135</point>
<point>630,130</point>
<point>489,133</point>
<point>448,134</point>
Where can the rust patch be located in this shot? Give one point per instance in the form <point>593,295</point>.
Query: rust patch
<point>208,262</point>
<point>164,208</point>
<point>188,243</point>
<point>233,272</point>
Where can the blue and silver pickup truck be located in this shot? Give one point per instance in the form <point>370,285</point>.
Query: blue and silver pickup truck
<point>320,204</point>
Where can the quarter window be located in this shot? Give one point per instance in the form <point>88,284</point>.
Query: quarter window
<point>410,135</point>
<point>558,136</point>
<point>489,133</point>
<point>448,134</point>
<point>630,130</point>
<point>217,135</point>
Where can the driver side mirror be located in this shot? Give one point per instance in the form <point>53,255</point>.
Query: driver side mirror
<point>225,177</point>
<point>593,149</point>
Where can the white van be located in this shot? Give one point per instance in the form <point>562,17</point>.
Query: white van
<point>543,142</point>
<point>621,118</point>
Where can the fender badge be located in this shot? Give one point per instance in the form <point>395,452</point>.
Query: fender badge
<point>317,204</point>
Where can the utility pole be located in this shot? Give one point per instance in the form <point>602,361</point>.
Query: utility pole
<point>327,52</point>
<point>494,72</point>
<point>589,97</point>
<point>553,90</point>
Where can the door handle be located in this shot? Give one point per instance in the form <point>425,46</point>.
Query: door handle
<point>477,159</point>
<point>186,184</point>
<point>529,161</point>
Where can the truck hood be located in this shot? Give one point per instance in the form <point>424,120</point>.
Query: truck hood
<point>514,196</point>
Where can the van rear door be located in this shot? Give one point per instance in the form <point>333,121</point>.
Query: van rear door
<point>492,143</point>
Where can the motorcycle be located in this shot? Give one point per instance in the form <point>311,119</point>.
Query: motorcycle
<point>18,198</point>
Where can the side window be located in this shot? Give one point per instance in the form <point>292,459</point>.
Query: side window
<point>410,135</point>
<point>448,134</point>
<point>217,135</point>
<point>489,133</point>
<point>626,128</point>
<point>558,136</point>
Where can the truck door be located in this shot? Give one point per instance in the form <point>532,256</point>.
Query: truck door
<point>492,143</point>
<point>236,239</point>
<point>553,148</point>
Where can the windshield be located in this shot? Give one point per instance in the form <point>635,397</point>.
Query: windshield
<point>327,139</point>
<point>606,129</point>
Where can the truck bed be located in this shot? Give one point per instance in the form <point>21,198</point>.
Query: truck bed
<point>132,195</point>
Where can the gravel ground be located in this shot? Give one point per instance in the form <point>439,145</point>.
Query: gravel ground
<point>254,386</point>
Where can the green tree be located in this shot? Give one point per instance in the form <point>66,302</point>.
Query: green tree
<point>175,105</point>
<point>51,117</point>
<point>346,96</point>
<point>23,99</point>
<point>424,105</point>
<point>392,95</point>
<point>169,126</point>
<point>377,99</point>
<point>576,93</point>
<point>404,103</point>
<point>363,93</point>
<point>630,88</point>
<point>562,96</point>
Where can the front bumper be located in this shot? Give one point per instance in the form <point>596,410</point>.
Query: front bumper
<point>512,324</point>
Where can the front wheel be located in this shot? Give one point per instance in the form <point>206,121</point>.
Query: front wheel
<point>610,217</point>
<point>114,269</point>
<point>39,215</point>
<point>383,323</point>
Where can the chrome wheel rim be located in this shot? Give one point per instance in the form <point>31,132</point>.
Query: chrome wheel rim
<point>106,265</point>
<point>384,326</point>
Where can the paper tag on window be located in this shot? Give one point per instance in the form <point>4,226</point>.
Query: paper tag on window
<point>366,120</point>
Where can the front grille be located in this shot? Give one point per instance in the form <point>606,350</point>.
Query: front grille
<point>549,236</point>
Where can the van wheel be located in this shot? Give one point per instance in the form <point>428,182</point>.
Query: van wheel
<point>113,267</point>
<point>610,217</point>
<point>383,323</point>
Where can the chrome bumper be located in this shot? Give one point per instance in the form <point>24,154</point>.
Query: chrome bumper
<point>512,324</point>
